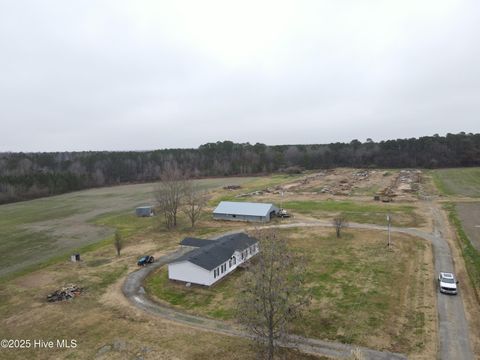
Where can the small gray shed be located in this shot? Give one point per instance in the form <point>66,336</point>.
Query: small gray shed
<point>144,211</point>
<point>244,211</point>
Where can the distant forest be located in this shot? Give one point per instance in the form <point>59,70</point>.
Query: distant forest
<point>31,175</point>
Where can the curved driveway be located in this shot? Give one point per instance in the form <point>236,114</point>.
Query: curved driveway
<point>453,327</point>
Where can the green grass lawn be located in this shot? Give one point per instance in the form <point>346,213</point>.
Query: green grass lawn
<point>357,289</point>
<point>37,232</point>
<point>459,181</point>
<point>373,213</point>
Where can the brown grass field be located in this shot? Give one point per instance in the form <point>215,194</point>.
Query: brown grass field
<point>106,326</point>
<point>362,292</point>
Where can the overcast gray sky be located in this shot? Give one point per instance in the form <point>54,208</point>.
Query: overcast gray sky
<point>135,75</point>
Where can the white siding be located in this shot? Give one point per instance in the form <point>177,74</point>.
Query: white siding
<point>188,272</point>
<point>233,211</point>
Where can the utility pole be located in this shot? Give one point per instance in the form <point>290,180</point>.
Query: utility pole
<point>389,219</point>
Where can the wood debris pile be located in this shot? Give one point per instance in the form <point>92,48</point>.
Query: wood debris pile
<point>407,181</point>
<point>276,190</point>
<point>65,293</point>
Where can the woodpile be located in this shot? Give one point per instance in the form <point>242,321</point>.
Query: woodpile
<point>65,293</point>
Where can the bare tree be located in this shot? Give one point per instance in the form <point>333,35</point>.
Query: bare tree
<point>273,293</point>
<point>339,222</point>
<point>194,202</point>
<point>118,242</point>
<point>169,193</point>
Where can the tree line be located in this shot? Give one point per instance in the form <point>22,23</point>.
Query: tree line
<point>30,175</point>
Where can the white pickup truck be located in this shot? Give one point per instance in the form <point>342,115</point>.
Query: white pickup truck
<point>447,283</point>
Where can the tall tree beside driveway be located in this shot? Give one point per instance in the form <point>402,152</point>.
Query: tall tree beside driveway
<point>273,293</point>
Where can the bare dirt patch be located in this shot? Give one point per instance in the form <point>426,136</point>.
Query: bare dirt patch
<point>337,182</point>
<point>347,182</point>
<point>37,279</point>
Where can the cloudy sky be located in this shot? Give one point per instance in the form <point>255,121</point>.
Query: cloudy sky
<point>136,75</point>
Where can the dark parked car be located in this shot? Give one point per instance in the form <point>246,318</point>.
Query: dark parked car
<point>145,260</point>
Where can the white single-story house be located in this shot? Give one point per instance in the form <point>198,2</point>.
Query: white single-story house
<point>213,259</point>
<point>244,211</point>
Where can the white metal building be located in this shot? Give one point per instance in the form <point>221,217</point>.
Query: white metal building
<point>213,259</point>
<point>244,211</point>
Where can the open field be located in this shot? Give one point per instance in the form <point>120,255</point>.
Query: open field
<point>302,196</point>
<point>462,186</point>
<point>101,320</point>
<point>469,213</point>
<point>459,181</point>
<point>365,212</point>
<point>461,217</point>
<point>362,293</point>
<point>464,214</point>
<point>401,185</point>
<point>107,327</point>
<point>34,231</point>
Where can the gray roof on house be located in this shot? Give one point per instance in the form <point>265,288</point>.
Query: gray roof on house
<point>244,208</point>
<point>219,251</point>
<point>195,242</point>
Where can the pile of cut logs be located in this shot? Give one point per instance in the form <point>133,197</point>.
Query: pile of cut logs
<point>65,293</point>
